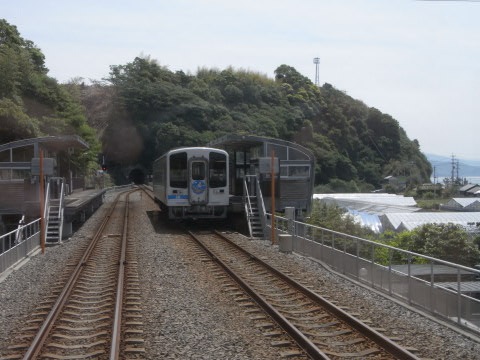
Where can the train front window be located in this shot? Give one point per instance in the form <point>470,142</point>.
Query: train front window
<point>178,170</point>
<point>198,171</point>
<point>218,170</point>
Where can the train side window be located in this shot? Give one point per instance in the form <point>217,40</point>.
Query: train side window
<point>217,170</point>
<point>178,170</point>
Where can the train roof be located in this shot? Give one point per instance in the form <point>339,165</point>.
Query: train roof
<point>195,148</point>
<point>185,148</point>
<point>240,142</point>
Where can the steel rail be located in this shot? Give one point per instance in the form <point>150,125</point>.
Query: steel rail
<point>302,341</point>
<point>148,192</point>
<point>386,344</point>
<point>117,319</point>
<point>42,334</point>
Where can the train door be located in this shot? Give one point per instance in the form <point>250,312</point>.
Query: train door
<point>198,190</point>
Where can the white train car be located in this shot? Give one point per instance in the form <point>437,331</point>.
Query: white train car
<point>192,182</point>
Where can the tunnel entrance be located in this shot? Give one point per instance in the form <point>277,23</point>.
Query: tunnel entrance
<point>137,176</point>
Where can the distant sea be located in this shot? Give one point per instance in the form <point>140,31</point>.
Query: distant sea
<point>470,179</point>
<point>467,169</point>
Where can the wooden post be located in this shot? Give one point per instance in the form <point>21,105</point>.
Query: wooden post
<point>42,205</point>
<point>272,202</point>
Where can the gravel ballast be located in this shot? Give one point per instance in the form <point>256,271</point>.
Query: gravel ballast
<point>187,314</point>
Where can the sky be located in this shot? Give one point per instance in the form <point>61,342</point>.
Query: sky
<point>418,61</point>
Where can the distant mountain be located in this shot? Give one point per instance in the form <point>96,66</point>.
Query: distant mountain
<point>443,166</point>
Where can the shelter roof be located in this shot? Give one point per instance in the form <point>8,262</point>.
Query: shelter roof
<point>240,142</point>
<point>51,143</point>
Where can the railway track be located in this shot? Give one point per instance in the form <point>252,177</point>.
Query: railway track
<point>97,313</point>
<point>317,328</point>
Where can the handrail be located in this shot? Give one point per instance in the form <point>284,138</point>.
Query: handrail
<point>8,244</point>
<point>248,206</point>
<point>261,204</point>
<point>46,210</point>
<point>374,243</point>
<point>247,195</point>
<point>61,206</point>
<point>18,235</point>
<point>349,250</point>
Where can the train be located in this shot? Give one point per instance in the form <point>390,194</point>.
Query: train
<point>192,183</point>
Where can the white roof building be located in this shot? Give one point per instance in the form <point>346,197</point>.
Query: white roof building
<point>367,207</point>
<point>462,204</point>
<point>404,221</point>
<point>381,212</point>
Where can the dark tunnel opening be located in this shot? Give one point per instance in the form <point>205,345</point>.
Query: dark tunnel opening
<point>137,176</point>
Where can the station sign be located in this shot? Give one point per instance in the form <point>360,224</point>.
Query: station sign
<point>49,165</point>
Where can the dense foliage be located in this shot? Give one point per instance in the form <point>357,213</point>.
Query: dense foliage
<point>157,109</point>
<point>32,103</point>
<point>449,242</point>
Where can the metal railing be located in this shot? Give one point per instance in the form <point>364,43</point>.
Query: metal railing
<point>18,243</point>
<point>61,208</point>
<point>46,209</point>
<point>261,205</point>
<point>248,206</point>
<point>410,277</point>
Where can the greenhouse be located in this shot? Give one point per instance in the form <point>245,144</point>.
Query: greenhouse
<point>382,212</point>
<point>409,221</point>
<point>462,204</point>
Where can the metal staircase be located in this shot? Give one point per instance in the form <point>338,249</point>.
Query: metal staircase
<point>54,208</point>
<point>254,207</point>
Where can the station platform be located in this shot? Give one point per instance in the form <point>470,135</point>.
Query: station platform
<point>79,206</point>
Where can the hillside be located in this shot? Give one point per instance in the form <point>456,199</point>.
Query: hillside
<point>33,104</point>
<point>156,109</point>
<point>142,109</point>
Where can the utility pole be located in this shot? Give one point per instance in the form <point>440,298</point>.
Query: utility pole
<point>458,168</point>
<point>272,164</point>
<point>42,205</point>
<point>316,61</point>
<point>453,170</point>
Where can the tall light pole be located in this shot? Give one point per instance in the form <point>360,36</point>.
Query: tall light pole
<point>316,61</point>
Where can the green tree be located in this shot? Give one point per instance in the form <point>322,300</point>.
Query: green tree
<point>15,124</point>
<point>334,218</point>
<point>32,103</point>
<point>449,242</point>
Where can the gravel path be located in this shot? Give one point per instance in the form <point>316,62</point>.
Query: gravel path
<point>187,314</point>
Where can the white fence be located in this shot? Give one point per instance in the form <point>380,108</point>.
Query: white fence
<point>17,244</point>
<point>410,277</point>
